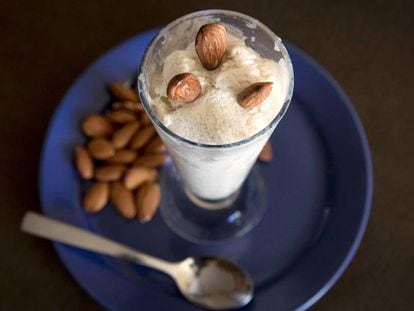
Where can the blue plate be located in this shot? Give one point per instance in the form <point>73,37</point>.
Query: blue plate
<point>319,190</point>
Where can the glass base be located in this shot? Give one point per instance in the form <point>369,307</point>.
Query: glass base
<point>182,212</point>
<point>212,204</point>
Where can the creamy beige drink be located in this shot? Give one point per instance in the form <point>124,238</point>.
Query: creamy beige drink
<point>216,117</point>
<point>210,130</point>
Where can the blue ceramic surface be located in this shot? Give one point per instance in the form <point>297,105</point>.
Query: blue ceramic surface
<point>319,189</point>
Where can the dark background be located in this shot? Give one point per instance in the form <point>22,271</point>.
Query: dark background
<point>368,47</point>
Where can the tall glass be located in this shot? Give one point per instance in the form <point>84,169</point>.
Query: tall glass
<point>211,175</point>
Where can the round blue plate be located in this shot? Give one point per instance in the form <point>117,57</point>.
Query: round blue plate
<point>319,189</point>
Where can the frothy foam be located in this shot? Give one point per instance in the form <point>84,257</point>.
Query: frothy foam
<point>216,117</point>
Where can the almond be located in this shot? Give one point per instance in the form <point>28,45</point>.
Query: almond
<point>123,156</point>
<point>123,200</point>
<point>147,200</point>
<point>101,148</point>
<point>266,155</point>
<point>211,44</point>
<point>151,160</point>
<point>122,136</point>
<point>96,126</point>
<point>121,116</point>
<point>109,172</point>
<point>254,94</point>
<point>137,175</point>
<point>145,119</point>
<point>184,88</point>
<point>96,197</point>
<point>83,162</point>
<point>123,92</point>
<point>128,105</point>
<point>142,137</point>
<point>156,145</point>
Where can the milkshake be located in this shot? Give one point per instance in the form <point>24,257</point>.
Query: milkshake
<point>215,88</point>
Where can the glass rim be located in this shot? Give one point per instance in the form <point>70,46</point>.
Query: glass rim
<point>141,83</point>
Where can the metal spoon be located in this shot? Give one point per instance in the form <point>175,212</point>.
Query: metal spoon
<point>210,282</point>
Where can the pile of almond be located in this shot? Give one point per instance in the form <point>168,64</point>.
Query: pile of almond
<point>121,157</point>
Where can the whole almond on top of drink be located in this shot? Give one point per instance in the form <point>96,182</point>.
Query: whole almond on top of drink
<point>254,94</point>
<point>96,197</point>
<point>123,92</point>
<point>122,136</point>
<point>123,200</point>
<point>96,126</point>
<point>211,45</point>
<point>147,200</point>
<point>101,148</point>
<point>83,162</point>
<point>184,88</point>
<point>138,175</point>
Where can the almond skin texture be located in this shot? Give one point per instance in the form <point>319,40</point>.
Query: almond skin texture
<point>128,105</point>
<point>211,44</point>
<point>121,116</point>
<point>150,160</point>
<point>142,137</point>
<point>123,92</point>
<point>138,175</point>
<point>101,148</point>
<point>156,145</point>
<point>109,172</point>
<point>122,136</point>
<point>184,88</point>
<point>83,162</point>
<point>123,156</point>
<point>96,126</point>
<point>145,119</point>
<point>123,200</point>
<point>147,200</point>
<point>266,155</point>
<point>254,94</point>
<point>96,197</point>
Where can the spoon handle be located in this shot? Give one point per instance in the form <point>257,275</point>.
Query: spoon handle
<point>51,229</point>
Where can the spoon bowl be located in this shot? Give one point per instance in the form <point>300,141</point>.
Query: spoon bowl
<point>214,283</point>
